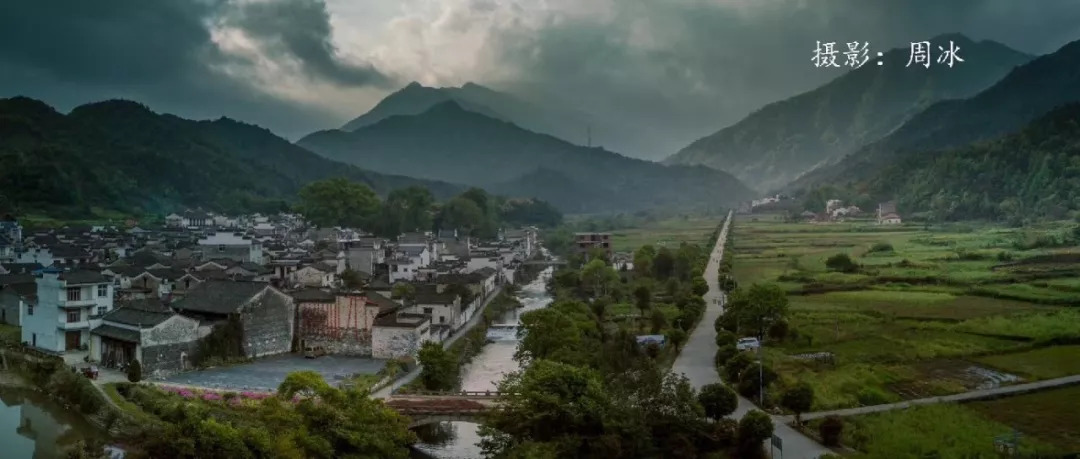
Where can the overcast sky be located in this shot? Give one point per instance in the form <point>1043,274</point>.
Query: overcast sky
<point>294,66</point>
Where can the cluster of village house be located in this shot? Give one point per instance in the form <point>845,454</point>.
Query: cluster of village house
<point>835,211</point>
<point>114,295</point>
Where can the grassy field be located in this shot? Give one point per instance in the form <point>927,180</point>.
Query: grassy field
<point>1051,416</point>
<point>10,333</point>
<point>926,312</point>
<point>940,431</point>
<point>669,233</point>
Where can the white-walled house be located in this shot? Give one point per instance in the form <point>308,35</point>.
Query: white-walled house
<point>234,246</point>
<point>403,269</point>
<point>163,341</point>
<point>399,335</point>
<point>321,274</point>
<point>67,303</point>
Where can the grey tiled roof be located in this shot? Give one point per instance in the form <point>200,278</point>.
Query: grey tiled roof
<point>83,277</point>
<point>313,295</point>
<point>122,334</point>
<point>144,313</point>
<point>386,305</point>
<point>219,297</point>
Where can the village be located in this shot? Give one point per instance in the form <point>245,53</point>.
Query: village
<point>206,289</point>
<point>835,210</point>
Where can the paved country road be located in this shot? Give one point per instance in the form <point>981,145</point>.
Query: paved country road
<point>696,360</point>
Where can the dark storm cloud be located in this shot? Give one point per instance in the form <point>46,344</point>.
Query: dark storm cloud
<point>160,52</point>
<point>711,62</point>
<point>300,29</point>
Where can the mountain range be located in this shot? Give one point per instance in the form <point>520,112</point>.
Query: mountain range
<point>121,156</point>
<point>448,142</point>
<point>1026,93</point>
<point>544,117</point>
<point>783,140</point>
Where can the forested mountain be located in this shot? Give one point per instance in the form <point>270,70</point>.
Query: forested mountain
<point>450,143</point>
<point>1034,173</point>
<point>565,122</point>
<point>1023,95</point>
<point>118,155</point>
<point>776,144</point>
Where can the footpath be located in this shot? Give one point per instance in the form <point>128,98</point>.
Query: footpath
<point>696,360</point>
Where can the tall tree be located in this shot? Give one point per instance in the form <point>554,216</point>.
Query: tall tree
<point>338,202</point>
<point>463,214</point>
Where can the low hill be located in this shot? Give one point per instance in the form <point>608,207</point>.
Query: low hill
<point>121,156</point>
<point>781,141</point>
<point>448,142</point>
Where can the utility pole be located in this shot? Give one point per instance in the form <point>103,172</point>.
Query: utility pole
<point>760,379</point>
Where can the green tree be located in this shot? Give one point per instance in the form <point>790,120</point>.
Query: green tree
<point>338,202</point>
<point>799,399</point>
<point>351,279</point>
<point>677,337</point>
<point>759,307</point>
<point>134,371</point>
<point>831,430</point>
<point>642,299</point>
<point>440,368</point>
<point>598,277</point>
<point>754,428</point>
<point>563,405</point>
<point>404,291</point>
<point>658,321</point>
<point>549,334</point>
<point>663,264</point>
<point>718,400</point>
<point>735,366</point>
<point>643,257</point>
<point>463,214</point>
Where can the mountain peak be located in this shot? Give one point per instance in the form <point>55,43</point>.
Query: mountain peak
<point>449,106</point>
<point>955,37</point>
<point>112,106</point>
<point>413,85</point>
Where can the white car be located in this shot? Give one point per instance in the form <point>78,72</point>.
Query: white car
<point>747,344</point>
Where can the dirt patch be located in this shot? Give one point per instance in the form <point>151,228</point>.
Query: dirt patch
<point>942,377</point>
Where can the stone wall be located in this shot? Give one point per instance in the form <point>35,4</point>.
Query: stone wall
<point>390,343</point>
<point>170,347</point>
<point>163,360</point>
<point>268,324</point>
<point>360,348</point>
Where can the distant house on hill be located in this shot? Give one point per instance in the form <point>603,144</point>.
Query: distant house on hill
<point>887,214</point>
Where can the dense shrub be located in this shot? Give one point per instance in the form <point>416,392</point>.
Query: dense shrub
<point>725,338</point>
<point>718,400</point>
<point>798,398</point>
<point>749,385</point>
<point>735,366</point>
<point>880,247</point>
<point>724,354</point>
<point>841,262</point>
<point>779,330</point>
<point>831,429</point>
<point>754,428</point>
<point>134,371</point>
<point>869,396</point>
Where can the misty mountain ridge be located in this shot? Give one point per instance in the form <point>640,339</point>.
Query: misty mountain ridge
<point>450,143</point>
<point>544,116</point>
<point>118,155</point>
<point>1026,93</point>
<point>782,140</point>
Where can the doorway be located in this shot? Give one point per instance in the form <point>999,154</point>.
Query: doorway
<point>72,340</point>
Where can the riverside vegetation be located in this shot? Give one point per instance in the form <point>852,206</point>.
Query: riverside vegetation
<point>879,314</point>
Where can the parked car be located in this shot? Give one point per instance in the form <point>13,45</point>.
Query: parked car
<point>312,352</point>
<point>747,344</point>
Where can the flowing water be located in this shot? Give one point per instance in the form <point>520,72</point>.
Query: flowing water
<point>458,440</point>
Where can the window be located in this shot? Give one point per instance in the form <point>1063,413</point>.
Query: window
<point>29,309</point>
<point>442,319</point>
<point>72,316</point>
<point>74,294</point>
<point>102,290</point>
<point>101,310</point>
<point>427,311</point>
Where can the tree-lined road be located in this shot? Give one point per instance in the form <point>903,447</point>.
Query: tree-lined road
<point>696,359</point>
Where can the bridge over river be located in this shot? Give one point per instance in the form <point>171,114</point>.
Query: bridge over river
<point>429,407</point>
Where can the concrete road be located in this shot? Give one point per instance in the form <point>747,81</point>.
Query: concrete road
<point>696,360</point>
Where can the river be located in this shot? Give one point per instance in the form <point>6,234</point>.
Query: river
<point>458,440</point>
<point>33,427</point>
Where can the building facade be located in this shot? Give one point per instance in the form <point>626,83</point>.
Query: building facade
<point>67,303</point>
